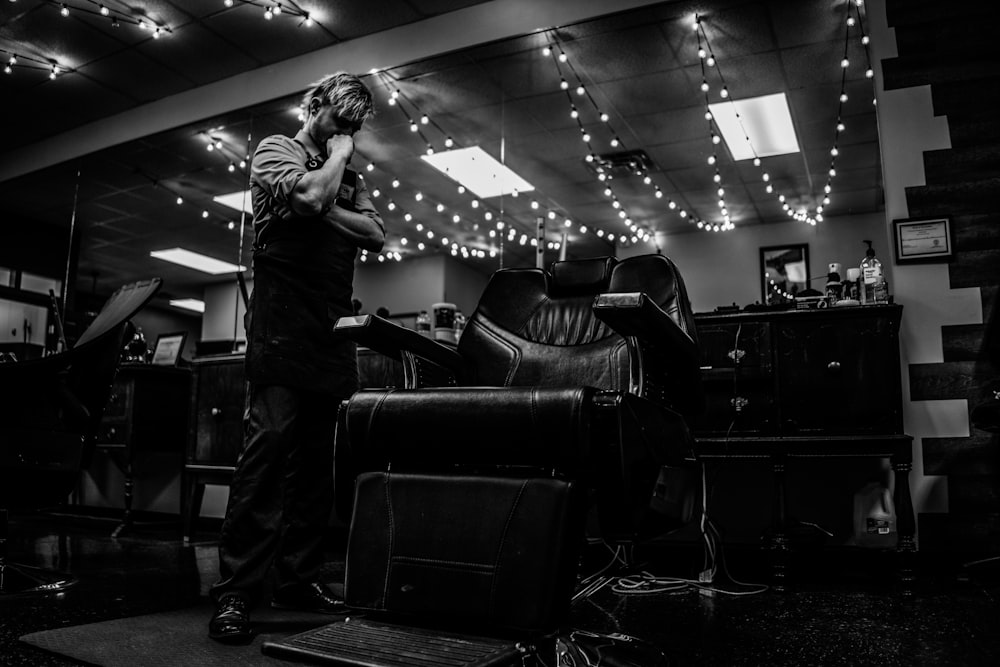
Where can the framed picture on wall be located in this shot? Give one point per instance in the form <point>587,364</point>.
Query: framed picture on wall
<point>922,240</point>
<point>168,349</point>
<point>784,271</point>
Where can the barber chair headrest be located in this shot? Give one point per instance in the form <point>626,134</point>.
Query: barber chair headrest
<point>581,276</point>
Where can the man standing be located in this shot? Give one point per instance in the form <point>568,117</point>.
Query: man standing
<point>311,214</point>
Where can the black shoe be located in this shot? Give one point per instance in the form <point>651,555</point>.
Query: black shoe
<point>231,622</point>
<point>308,597</point>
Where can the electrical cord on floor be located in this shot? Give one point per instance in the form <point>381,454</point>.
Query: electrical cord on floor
<point>714,577</point>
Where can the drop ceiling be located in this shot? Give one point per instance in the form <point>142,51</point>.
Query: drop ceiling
<point>641,67</point>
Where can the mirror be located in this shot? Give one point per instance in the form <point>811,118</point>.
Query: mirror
<point>785,273</point>
<point>617,151</point>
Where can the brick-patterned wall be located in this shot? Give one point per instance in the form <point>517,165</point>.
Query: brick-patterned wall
<point>952,46</point>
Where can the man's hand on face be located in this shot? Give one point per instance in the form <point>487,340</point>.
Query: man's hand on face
<point>340,145</point>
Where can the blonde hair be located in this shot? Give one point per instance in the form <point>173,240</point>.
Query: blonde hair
<point>346,93</point>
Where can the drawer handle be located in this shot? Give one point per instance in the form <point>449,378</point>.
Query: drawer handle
<point>833,367</point>
<point>216,412</point>
<point>736,355</point>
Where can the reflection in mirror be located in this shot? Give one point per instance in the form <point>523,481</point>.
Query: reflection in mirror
<point>618,152</point>
<point>785,271</point>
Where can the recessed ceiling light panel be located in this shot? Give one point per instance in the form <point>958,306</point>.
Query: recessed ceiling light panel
<point>196,305</point>
<point>478,171</point>
<point>197,261</point>
<point>760,126</point>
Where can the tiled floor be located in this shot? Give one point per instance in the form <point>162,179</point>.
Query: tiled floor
<point>841,612</point>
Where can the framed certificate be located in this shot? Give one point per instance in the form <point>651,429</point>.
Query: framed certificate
<point>922,240</point>
<point>168,349</point>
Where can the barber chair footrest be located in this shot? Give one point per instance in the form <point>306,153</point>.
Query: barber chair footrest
<point>359,642</point>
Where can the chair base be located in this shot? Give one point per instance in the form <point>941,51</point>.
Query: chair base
<point>360,642</point>
<point>17,580</point>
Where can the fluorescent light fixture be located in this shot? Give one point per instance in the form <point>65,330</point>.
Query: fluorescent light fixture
<point>189,304</point>
<point>765,120</point>
<point>241,201</point>
<point>478,171</point>
<point>193,260</point>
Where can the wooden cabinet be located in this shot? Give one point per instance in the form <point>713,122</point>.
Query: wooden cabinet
<point>809,383</point>
<point>801,373</point>
<point>146,412</point>
<point>215,430</point>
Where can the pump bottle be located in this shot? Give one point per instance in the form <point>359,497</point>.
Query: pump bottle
<point>873,287</point>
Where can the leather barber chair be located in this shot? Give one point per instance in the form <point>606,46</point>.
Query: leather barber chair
<point>469,491</point>
<point>50,411</point>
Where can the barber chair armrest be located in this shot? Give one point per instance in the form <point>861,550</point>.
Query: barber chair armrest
<point>634,314</point>
<point>392,340</point>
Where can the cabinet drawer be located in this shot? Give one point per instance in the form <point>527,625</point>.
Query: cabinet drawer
<point>746,406</point>
<point>729,346</point>
<point>114,433</point>
<point>119,400</point>
<point>839,377</point>
<point>217,436</point>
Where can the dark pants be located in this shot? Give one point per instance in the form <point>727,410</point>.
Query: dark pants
<point>281,496</point>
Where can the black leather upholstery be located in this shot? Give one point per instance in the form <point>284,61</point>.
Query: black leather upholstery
<point>495,553</point>
<point>568,393</point>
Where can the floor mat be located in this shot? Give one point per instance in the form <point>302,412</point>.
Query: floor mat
<point>173,639</point>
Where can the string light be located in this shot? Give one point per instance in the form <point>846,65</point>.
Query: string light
<point>586,136</point>
<point>801,215</point>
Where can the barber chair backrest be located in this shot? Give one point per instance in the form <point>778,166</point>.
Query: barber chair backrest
<point>537,328</point>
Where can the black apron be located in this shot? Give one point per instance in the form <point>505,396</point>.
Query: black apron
<point>303,276</point>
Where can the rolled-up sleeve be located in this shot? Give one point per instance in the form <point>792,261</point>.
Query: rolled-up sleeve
<point>278,165</point>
